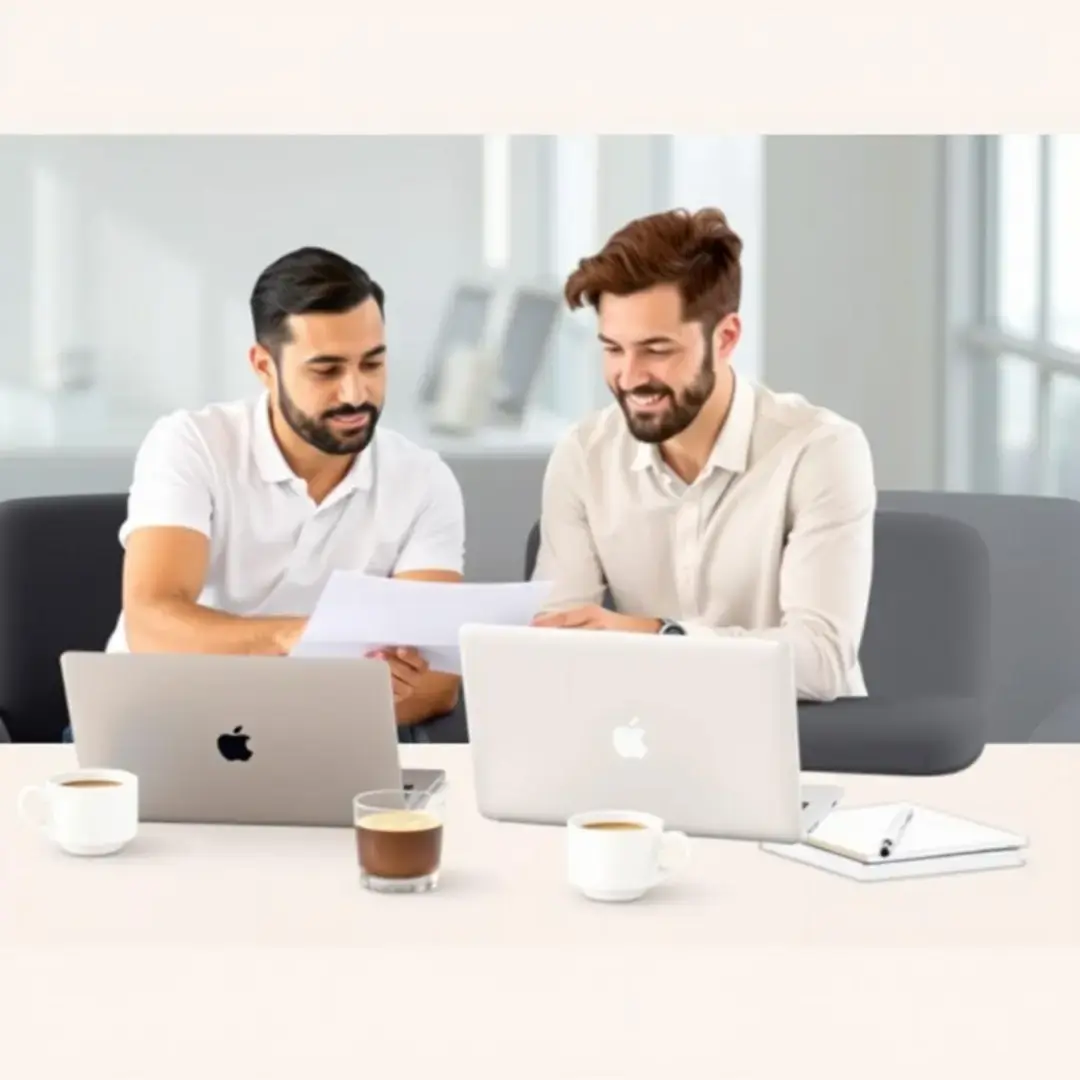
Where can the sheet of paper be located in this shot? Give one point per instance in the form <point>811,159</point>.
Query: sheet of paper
<point>357,613</point>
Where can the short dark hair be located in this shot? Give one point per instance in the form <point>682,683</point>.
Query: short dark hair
<point>308,279</point>
<point>698,253</point>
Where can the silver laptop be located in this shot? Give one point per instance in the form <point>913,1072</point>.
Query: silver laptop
<point>700,731</point>
<point>239,739</point>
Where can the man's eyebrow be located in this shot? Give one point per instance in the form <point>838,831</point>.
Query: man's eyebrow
<point>655,340</point>
<point>329,358</point>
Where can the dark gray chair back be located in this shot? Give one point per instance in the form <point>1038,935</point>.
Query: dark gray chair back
<point>927,626</point>
<point>1034,682</point>
<point>60,578</point>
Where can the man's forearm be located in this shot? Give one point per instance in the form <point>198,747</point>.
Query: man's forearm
<point>821,657</point>
<point>436,694</point>
<point>186,627</point>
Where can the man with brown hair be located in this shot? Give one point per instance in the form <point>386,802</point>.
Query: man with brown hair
<point>704,503</point>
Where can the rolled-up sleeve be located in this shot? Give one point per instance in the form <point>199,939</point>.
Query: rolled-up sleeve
<point>172,483</point>
<point>437,538</point>
<point>827,564</point>
<point>567,557</point>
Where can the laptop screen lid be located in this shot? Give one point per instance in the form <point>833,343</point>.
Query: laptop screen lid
<point>236,739</point>
<point>700,731</point>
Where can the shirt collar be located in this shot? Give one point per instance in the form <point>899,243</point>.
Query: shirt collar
<point>273,467</point>
<point>731,451</point>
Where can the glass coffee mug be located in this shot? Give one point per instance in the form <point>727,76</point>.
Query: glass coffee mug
<point>86,812</point>
<point>399,839</point>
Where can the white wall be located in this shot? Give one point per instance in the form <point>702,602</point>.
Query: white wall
<point>168,235</point>
<point>853,285</point>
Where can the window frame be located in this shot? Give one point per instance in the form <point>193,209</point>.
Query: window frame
<point>977,340</point>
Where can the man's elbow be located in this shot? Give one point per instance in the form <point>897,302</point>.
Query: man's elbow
<point>151,622</point>
<point>824,666</point>
<point>140,620</point>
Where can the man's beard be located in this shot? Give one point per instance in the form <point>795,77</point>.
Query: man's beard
<point>682,407</point>
<point>317,431</point>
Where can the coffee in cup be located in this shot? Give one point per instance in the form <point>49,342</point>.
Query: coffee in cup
<point>87,812</point>
<point>399,840</point>
<point>619,855</point>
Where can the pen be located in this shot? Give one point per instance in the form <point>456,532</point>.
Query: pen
<point>896,832</point>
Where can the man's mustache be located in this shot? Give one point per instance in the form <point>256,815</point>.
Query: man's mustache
<point>352,410</point>
<point>663,390</point>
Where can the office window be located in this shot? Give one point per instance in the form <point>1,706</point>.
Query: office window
<point>496,196</point>
<point>728,172</point>
<point>1021,337</point>
<point>127,263</point>
<point>573,179</point>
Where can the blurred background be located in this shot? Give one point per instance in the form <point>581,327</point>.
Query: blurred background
<point>927,287</point>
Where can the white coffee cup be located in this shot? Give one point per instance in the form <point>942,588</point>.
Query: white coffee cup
<point>621,854</point>
<point>85,812</point>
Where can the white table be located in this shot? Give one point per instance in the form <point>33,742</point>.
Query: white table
<point>745,944</point>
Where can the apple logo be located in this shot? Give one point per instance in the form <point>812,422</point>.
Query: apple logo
<point>629,740</point>
<point>233,746</point>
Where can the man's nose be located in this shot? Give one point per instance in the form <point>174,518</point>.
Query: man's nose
<point>637,368</point>
<point>353,389</point>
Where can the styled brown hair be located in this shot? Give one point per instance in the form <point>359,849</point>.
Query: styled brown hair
<point>696,252</point>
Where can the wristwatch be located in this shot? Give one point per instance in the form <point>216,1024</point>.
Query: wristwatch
<point>669,627</point>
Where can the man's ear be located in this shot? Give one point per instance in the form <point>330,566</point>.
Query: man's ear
<point>726,336</point>
<point>262,363</point>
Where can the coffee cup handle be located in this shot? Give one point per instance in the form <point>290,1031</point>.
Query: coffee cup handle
<point>28,798</point>
<point>674,854</point>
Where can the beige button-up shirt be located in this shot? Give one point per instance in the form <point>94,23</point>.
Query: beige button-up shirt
<point>774,539</point>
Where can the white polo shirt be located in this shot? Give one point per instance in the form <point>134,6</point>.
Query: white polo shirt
<point>774,539</point>
<point>220,471</point>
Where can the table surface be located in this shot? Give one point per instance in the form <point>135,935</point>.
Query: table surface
<point>504,884</point>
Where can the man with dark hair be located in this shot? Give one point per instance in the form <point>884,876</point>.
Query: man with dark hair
<point>704,503</point>
<point>239,512</point>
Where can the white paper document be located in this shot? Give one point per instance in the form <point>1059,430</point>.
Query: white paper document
<point>357,613</point>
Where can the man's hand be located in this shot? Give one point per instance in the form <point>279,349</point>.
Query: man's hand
<point>594,617</point>
<point>407,668</point>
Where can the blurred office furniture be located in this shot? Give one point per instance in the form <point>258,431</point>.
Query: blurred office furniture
<point>523,349</point>
<point>1033,541</point>
<point>924,655</point>
<point>489,352</point>
<point>466,387</point>
<point>466,324</point>
<point>60,570</point>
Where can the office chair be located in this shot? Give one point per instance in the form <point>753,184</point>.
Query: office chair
<point>60,573</point>
<point>1033,692</point>
<point>924,655</point>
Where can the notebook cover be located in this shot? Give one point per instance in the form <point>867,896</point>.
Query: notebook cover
<point>856,833</point>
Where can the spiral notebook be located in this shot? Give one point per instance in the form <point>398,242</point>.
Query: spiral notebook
<point>848,842</point>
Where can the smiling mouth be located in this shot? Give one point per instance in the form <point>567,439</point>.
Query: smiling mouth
<point>646,401</point>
